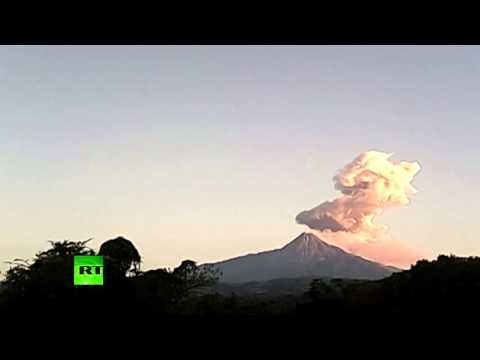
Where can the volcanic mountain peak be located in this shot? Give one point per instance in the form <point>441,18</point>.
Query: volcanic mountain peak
<point>308,246</point>
<point>306,255</point>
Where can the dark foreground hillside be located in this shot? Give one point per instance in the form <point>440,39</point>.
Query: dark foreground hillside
<point>447,288</point>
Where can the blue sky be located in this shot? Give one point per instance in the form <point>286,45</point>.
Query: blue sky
<point>210,152</point>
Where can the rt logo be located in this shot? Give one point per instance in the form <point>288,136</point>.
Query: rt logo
<point>88,270</point>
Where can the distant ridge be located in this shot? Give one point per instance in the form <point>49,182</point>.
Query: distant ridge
<point>305,256</point>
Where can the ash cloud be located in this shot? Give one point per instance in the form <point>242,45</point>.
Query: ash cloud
<point>371,183</point>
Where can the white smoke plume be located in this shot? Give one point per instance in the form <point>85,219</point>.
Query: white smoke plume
<point>370,184</point>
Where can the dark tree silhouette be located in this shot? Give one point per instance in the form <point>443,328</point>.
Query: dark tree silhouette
<point>448,286</point>
<point>165,291</point>
<point>191,277</point>
<point>44,284</point>
<point>46,281</point>
<point>120,256</point>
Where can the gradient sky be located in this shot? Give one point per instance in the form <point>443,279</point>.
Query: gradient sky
<point>210,152</point>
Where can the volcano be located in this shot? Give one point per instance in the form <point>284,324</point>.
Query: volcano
<point>305,256</point>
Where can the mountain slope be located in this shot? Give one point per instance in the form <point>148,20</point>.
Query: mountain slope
<point>305,256</point>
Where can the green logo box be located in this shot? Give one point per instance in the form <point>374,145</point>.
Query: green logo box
<point>88,270</point>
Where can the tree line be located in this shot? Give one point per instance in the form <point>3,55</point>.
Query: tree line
<point>446,286</point>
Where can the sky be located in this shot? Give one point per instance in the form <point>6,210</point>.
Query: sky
<point>210,152</point>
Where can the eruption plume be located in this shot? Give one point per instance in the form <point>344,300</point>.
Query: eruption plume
<point>371,183</point>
